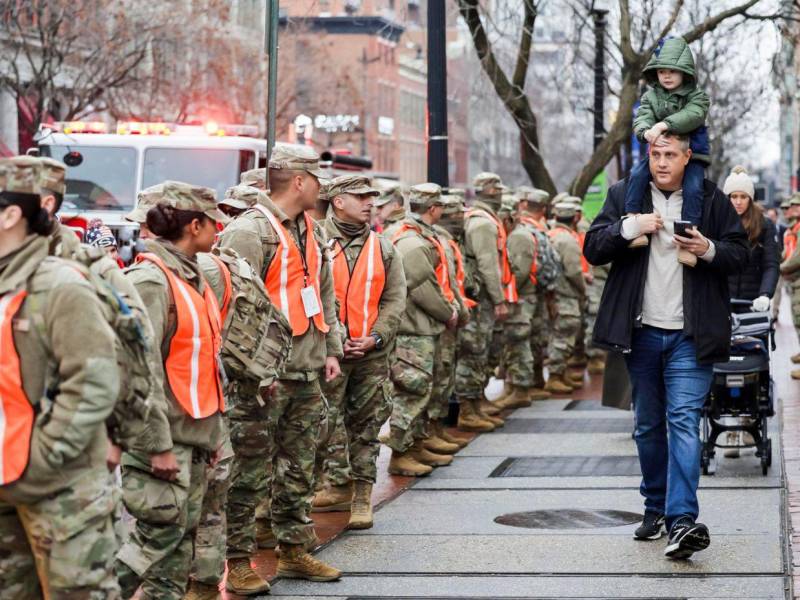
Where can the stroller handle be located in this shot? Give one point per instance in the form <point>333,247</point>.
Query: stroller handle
<point>741,302</point>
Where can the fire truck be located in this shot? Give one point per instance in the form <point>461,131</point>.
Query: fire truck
<point>106,171</point>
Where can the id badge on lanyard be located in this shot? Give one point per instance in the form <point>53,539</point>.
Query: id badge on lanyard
<point>310,302</point>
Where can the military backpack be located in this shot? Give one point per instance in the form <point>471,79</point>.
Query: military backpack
<point>547,260</point>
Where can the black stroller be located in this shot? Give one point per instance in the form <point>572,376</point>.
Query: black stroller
<point>742,387</point>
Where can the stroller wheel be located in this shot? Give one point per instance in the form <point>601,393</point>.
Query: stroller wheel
<point>768,453</point>
<point>764,465</point>
<point>705,461</point>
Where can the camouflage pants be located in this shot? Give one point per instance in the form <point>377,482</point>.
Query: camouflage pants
<point>359,403</point>
<point>497,346</point>
<point>249,480</point>
<point>67,539</point>
<point>566,326</point>
<point>210,541</point>
<point>159,552</point>
<point>444,376</point>
<point>472,371</point>
<point>595,293</point>
<point>541,328</point>
<point>295,411</point>
<point>518,352</point>
<point>795,288</point>
<point>412,374</point>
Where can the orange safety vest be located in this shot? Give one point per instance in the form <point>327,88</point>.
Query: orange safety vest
<point>16,412</point>
<point>506,275</point>
<point>359,293</point>
<point>535,263</point>
<point>286,276</point>
<point>442,273</point>
<point>460,275</point>
<point>578,238</point>
<point>227,294</point>
<point>192,365</point>
<point>790,240</point>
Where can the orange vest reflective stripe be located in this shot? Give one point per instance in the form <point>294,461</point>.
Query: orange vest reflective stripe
<point>442,272</point>
<point>790,240</point>
<point>506,275</point>
<point>227,293</point>
<point>286,276</point>
<point>16,412</point>
<point>359,293</point>
<point>460,275</point>
<point>192,365</point>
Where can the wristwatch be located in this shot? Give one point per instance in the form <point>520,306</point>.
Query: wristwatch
<point>378,341</point>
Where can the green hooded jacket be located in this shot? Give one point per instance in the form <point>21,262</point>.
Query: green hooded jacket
<point>684,109</point>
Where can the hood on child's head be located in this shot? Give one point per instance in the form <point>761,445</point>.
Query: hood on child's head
<point>672,53</point>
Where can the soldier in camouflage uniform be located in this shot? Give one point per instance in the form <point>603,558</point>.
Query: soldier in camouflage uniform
<point>55,498</point>
<point>597,357</point>
<point>272,232</point>
<point>371,297</point>
<point>790,267</point>
<point>580,356</point>
<point>164,493</point>
<point>239,198</point>
<point>391,211</point>
<point>570,293</point>
<point>256,178</point>
<point>488,282</point>
<point>430,308</point>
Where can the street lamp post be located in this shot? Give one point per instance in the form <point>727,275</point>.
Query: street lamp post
<point>271,48</point>
<point>437,94</point>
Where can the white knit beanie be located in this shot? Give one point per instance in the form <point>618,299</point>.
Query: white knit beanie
<point>739,181</point>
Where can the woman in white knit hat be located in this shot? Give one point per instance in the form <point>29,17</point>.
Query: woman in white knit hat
<point>758,280</point>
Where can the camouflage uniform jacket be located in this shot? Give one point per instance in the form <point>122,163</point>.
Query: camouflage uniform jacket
<point>445,237</point>
<point>427,310</point>
<point>63,241</point>
<point>521,255</point>
<point>153,287</point>
<point>393,222</point>
<point>570,284</point>
<point>68,366</point>
<point>254,239</point>
<point>393,298</point>
<point>480,254</point>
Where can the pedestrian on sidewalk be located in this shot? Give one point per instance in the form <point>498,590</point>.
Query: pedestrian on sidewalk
<point>672,323</point>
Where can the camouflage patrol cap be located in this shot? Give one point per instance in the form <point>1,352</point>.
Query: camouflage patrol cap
<point>145,200</point>
<point>508,204</point>
<point>457,192</point>
<point>20,175</point>
<point>785,203</point>
<point>358,185</point>
<point>256,178</point>
<point>324,191</point>
<point>454,201</point>
<point>242,196</point>
<point>576,201</point>
<point>532,195</point>
<point>389,193</point>
<point>486,180</point>
<point>425,195</point>
<point>560,197</point>
<point>795,199</point>
<point>296,157</point>
<point>564,210</point>
<point>53,175</point>
<point>198,198</point>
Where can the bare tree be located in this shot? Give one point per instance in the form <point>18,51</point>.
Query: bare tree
<point>633,36</point>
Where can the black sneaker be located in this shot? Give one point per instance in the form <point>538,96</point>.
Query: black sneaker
<point>686,538</point>
<point>652,526</point>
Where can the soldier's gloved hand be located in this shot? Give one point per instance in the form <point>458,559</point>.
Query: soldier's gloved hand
<point>113,456</point>
<point>761,304</point>
<point>164,465</point>
<point>501,312</point>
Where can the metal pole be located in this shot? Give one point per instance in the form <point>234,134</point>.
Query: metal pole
<point>271,48</point>
<point>599,16</point>
<point>437,94</point>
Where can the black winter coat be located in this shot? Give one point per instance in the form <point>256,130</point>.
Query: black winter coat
<point>760,276</point>
<point>706,301</point>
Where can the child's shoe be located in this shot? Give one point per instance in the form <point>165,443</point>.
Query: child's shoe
<point>686,258</point>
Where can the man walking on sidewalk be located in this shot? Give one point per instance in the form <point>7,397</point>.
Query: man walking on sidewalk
<point>672,322</point>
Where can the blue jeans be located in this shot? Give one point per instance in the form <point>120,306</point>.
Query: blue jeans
<point>669,389</point>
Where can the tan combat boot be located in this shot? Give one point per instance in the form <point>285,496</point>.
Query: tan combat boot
<point>361,514</point>
<point>494,420</point>
<point>202,591</point>
<point>470,420</point>
<point>795,374</point>
<point>490,409</point>
<point>557,386</point>
<point>265,538</point>
<point>296,563</point>
<point>796,358</point>
<point>596,366</point>
<point>426,457</point>
<point>575,379</point>
<point>402,463</point>
<point>577,361</point>
<point>442,433</point>
<point>334,498</point>
<point>436,444</point>
<point>243,580</point>
<point>538,393</point>
<point>519,398</point>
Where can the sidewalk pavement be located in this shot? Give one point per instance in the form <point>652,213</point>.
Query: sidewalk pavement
<point>473,530</point>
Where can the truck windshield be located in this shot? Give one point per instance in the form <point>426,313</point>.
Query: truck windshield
<point>217,169</point>
<point>104,180</point>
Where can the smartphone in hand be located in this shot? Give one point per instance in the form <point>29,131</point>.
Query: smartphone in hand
<point>681,228</point>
